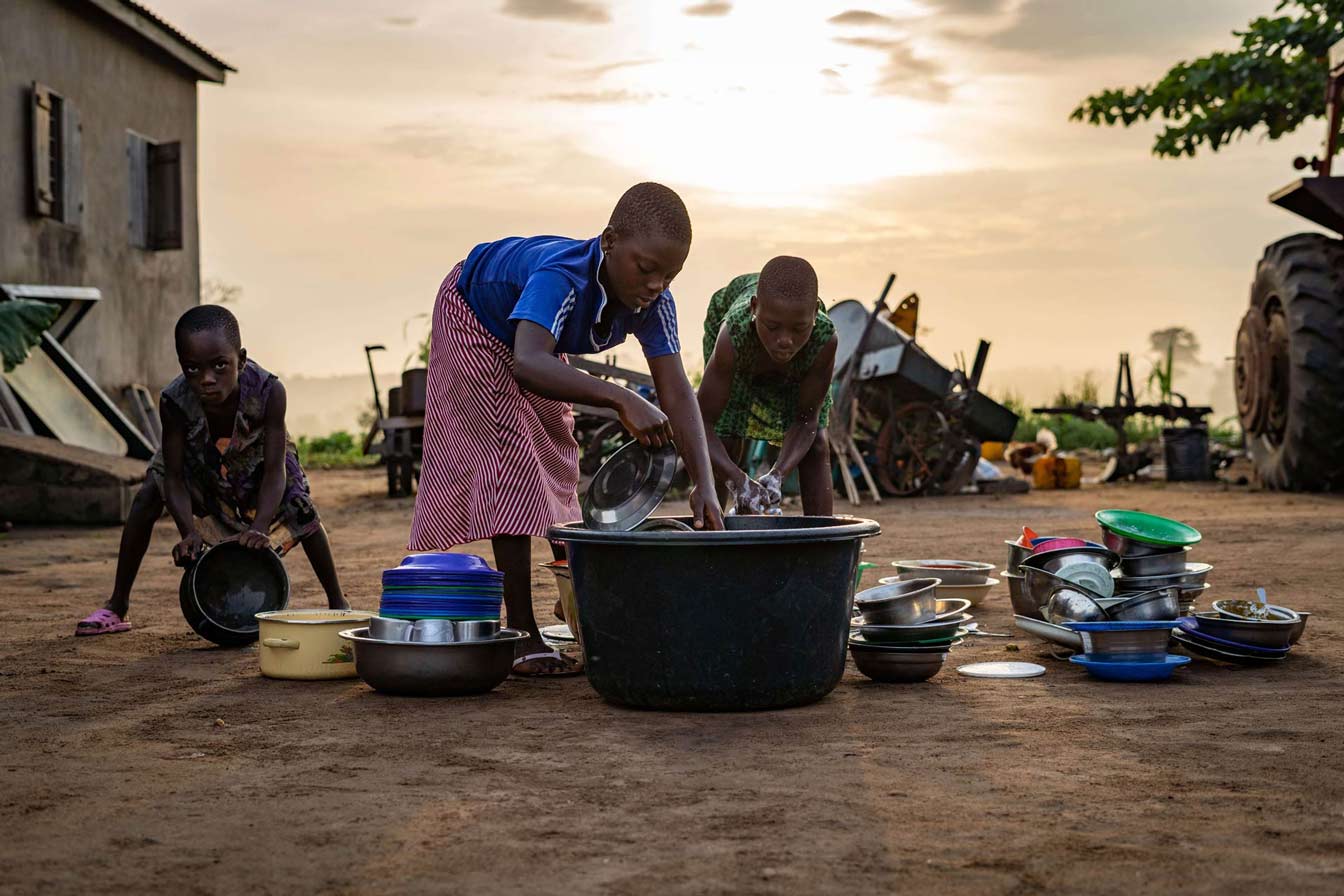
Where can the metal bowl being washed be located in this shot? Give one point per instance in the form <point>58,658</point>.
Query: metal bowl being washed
<point>433,669</point>
<point>628,487</point>
<point>228,585</point>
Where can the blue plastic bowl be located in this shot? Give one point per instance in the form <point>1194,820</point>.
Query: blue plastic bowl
<point>1113,670</point>
<point>446,562</point>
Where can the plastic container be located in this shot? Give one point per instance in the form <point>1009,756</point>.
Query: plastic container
<point>755,617</point>
<point>1186,451</point>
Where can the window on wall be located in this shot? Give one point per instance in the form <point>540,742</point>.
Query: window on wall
<point>55,163</point>
<point>154,175</point>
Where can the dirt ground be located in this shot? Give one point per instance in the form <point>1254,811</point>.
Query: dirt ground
<point>117,777</point>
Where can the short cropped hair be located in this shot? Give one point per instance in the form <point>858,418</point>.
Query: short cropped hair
<point>788,277</point>
<point>650,209</point>
<point>201,318</point>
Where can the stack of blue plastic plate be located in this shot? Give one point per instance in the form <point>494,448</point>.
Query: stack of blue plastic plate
<point>442,586</point>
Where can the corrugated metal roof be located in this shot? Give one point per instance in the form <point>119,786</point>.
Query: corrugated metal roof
<point>145,23</point>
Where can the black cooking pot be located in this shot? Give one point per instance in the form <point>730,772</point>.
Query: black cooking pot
<point>228,585</point>
<point>755,617</point>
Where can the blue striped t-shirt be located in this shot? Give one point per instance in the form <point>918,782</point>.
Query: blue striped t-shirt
<point>552,281</point>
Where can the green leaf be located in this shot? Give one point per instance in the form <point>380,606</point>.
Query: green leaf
<point>1274,81</point>
<point>21,324</point>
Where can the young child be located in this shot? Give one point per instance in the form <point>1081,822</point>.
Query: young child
<point>227,468</point>
<point>770,350</point>
<point>500,459</point>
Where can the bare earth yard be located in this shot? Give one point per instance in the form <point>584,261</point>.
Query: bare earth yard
<point>117,776</point>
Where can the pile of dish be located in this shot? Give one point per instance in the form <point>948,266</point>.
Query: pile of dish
<point>957,579</point>
<point>905,630</point>
<point>1154,553</point>
<point>442,586</point>
<point>433,657</point>
<point>1126,651</point>
<point>1242,632</point>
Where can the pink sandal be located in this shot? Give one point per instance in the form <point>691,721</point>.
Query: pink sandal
<point>101,622</point>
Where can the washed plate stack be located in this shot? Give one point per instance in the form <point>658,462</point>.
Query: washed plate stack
<point>1154,553</point>
<point>442,586</point>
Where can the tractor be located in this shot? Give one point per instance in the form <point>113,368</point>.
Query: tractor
<point>1289,367</point>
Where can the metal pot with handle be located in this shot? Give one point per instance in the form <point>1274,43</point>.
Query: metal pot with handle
<point>306,644</point>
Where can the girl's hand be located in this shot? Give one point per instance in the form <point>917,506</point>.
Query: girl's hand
<point>254,540</point>
<point>188,549</point>
<point>645,422</point>
<point>705,510</point>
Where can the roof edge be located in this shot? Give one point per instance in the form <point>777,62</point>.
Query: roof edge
<point>158,32</point>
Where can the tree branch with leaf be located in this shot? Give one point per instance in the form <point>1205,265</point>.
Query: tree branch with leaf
<point>1272,82</point>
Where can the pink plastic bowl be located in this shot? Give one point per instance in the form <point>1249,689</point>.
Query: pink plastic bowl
<point>1057,544</point>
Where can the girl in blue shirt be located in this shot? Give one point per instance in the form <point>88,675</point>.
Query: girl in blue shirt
<point>500,459</point>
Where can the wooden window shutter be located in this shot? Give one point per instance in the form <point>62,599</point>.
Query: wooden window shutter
<point>165,195</point>
<point>137,182</point>
<point>72,167</point>
<point>44,203</point>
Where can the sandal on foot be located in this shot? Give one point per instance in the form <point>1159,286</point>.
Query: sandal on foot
<point>571,666</point>
<point>101,622</point>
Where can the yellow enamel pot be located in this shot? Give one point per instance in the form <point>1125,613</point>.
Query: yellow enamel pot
<point>306,644</point>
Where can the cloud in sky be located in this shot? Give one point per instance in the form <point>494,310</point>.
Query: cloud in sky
<point>576,11</point>
<point>709,9</point>
<point>975,7</point>
<point>600,96</point>
<point>594,72</point>
<point>905,73</point>
<point>860,17</point>
<point>400,21</point>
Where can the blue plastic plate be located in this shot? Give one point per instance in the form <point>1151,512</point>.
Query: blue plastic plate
<point>1111,670</point>
<point>446,562</point>
<point>1190,626</point>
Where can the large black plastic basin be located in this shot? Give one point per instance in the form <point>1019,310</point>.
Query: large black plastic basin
<point>755,617</point>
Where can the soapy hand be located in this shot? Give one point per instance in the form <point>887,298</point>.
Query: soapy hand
<point>773,484</point>
<point>755,497</point>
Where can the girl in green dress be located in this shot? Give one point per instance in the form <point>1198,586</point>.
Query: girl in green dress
<point>770,350</point>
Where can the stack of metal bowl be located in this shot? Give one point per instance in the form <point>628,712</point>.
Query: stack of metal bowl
<point>1154,553</point>
<point>1052,603</point>
<point>433,657</point>
<point>1241,632</point>
<point>905,630</point>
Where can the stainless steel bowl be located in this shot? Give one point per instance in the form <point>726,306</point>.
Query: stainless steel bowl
<point>1146,644</point>
<point>1275,633</point>
<point>1016,554</point>
<point>1128,547</point>
<point>1017,594</point>
<point>1040,585</point>
<point>1246,609</point>
<point>433,631</point>
<point>949,572</point>
<point>1173,561</point>
<point>911,602</point>
<point>1299,628</point>
<point>1054,561</point>
<point>476,629</point>
<point>383,629</point>
<point>1193,574</point>
<point>433,670</point>
<point>910,634</point>
<point>1048,631</point>
<point>895,666</point>
<point>1156,605</point>
<point>1074,603</point>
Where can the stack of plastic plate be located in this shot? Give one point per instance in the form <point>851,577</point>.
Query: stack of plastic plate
<point>442,586</point>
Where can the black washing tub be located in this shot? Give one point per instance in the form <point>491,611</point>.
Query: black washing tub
<point>755,617</point>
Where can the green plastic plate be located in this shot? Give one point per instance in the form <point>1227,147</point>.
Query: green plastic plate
<point>1149,529</point>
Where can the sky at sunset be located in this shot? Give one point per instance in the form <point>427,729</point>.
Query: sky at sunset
<point>363,148</point>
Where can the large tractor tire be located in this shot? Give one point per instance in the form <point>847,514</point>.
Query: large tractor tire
<point>1290,365</point>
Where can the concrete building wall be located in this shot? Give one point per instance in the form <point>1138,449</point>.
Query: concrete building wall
<point>117,81</point>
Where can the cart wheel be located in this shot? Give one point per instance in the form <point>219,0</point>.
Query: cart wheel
<point>913,449</point>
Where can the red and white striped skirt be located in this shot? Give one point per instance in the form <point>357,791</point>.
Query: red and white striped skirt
<point>497,460</point>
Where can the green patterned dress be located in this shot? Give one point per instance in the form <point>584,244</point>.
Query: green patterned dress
<point>760,406</point>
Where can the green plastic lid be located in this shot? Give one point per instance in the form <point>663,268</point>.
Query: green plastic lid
<point>1149,529</point>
